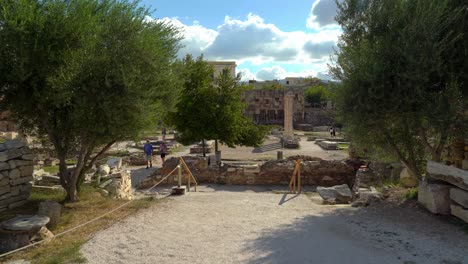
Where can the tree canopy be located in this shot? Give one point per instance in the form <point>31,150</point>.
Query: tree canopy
<point>403,72</point>
<point>84,74</point>
<point>212,108</point>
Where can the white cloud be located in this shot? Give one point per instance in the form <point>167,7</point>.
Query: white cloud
<point>254,41</point>
<point>246,74</point>
<point>196,38</point>
<point>322,14</point>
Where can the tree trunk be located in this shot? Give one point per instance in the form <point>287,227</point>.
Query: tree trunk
<point>216,145</point>
<point>87,165</point>
<point>63,175</point>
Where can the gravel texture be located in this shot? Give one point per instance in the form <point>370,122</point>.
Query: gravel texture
<point>233,224</point>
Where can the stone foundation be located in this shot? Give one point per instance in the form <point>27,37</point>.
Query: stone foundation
<point>314,171</point>
<point>16,170</point>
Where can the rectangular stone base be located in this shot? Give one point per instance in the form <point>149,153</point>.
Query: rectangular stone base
<point>179,190</point>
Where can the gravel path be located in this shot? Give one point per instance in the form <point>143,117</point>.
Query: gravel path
<point>223,224</point>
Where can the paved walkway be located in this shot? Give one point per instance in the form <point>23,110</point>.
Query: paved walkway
<point>223,224</point>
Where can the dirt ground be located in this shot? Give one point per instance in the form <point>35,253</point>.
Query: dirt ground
<point>307,148</point>
<point>238,224</point>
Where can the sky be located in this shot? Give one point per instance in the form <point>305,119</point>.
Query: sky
<point>268,39</point>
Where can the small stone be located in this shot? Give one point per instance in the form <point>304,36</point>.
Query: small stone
<point>43,234</point>
<point>104,170</point>
<point>408,180</point>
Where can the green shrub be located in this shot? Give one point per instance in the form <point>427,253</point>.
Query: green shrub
<point>412,194</point>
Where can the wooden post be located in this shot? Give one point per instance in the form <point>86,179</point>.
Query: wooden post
<point>189,172</point>
<point>298,162</point>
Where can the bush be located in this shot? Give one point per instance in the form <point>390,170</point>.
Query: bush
<point>412,194</point>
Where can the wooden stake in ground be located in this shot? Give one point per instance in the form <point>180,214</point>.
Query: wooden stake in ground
<point>190,175</point>
<point>295,184</point>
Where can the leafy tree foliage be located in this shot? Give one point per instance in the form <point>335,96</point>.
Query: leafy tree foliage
<point>84,74</point>
<point>212,109</point>
<point>317,94</point>
<point>402,67</point>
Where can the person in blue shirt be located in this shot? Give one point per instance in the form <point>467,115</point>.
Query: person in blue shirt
<point>149,154</point>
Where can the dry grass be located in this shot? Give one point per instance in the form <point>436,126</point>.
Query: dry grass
<point>65,249</point>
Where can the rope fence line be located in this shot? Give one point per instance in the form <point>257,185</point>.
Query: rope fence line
<point>83,224</point>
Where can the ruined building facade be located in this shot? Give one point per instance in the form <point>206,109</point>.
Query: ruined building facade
<point>266,106</point>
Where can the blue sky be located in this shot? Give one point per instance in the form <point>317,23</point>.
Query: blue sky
<point>267,39</point>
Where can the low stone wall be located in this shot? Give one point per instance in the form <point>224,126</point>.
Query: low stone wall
<point>314,171</point>
<point>16,170</point>
<point>445,190</point>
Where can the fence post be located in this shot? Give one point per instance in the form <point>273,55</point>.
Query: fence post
<point>179,180</point>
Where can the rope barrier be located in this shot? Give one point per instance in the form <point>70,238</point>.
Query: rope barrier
<point>81,225</point>
<point>165,177</point>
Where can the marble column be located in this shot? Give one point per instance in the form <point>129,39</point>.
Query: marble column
<point>288,115</point>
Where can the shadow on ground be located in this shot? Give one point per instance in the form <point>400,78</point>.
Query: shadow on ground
<point>365,235</point>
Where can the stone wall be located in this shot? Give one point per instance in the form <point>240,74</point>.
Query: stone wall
<point>16,170</point>
<point>445,190</point>
<point>314,171</point>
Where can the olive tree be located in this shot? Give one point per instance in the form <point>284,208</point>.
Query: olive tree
<point>84,74</point>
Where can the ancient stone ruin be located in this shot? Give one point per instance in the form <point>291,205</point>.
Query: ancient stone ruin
<point>16,170</point>
<point>445,190</point>
<point>315,171</point>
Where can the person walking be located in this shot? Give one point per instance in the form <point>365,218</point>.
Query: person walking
<point>163,134</point>
<point>163,151</point>
<point>148,148</point>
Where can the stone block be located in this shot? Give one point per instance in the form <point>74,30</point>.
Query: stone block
<point>4,181</point>
<point>4,166</point>
<point>452,175</point>
<point>14,144</point>
<point>408,180</point>
<point>15,190</point>
<point>340,194</point>
<point>459,212</point>
<point>21,180</point>
<point>20,163</point>
<point>459,196</point>
<point>27,170</point>
<point>5,196</point>
<point>17,204</point>
<point>14,174</point>
<point>12,164</point>
<point>10,154</point>
<point>28,156</point>
<point>435,197</point>
<point>4,189</point>
<point>52,210</point>
<point>25,150</point>
<point>465,164</point>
